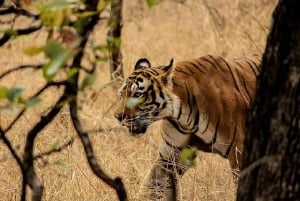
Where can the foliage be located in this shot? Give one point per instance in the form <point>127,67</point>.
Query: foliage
<point>69,24</point>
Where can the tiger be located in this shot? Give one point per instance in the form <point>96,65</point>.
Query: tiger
<point>200,103</point>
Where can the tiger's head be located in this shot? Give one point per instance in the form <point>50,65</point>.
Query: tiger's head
<point>145,97</point>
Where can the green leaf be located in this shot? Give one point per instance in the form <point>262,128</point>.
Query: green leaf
<point>111,23</point>
<point>66,101</point>
<point>52,67</point>
<point>33,50</point>
<point>54,145</point>
<point>133,102</point>
<point>15,93</point>
<point>80,23</point>
<point>53,49</point>
<point>72,72</point>
<point>3,92</point>
<point>58,18</point>
<point>152,2</point>
<point>60,3</point>
<point>60,163</point>
<point>58,57</point>
<point>88,81</point>
<point>102,5</point>
<point>188,155</point>
<point>87,14</point>
<point>117,42</point>
<point>11,32</point>
<point>47,17</point>
<point>101,47</point>
<point>32,102</point>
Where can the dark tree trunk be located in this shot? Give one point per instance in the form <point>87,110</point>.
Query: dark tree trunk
<point>271,160</point>
<point>114,40</point>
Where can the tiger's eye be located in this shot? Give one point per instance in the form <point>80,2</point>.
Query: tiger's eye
<point>137,95</point>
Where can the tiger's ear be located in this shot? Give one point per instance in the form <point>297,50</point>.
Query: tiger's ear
<point>142,63</point>
<point>166,78</point>
<point>168,68</point>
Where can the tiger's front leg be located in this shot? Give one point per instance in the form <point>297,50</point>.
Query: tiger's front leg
<point>162,181</point>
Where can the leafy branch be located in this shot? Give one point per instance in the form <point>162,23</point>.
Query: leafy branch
<point>69,29</point>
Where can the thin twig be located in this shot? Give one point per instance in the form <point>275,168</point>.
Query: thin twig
<point>6,36</point>
<point>18,11</point>
<point>34,96</point>
<point>11,149</point>
<point>21,67</point>
<point>55,150</point>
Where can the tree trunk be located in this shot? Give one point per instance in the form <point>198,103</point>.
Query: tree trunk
<point>271,160</point>
<point>114,40</point>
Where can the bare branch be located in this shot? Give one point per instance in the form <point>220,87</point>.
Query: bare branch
<point>83,135</point>
<point>113,34</point>
<point>56,150</point>
<point>11,149</point>
<point>17,11</point>
<point>116,183</point>
<point>34,96</point>
<point>18,32</point>
<point>29,176</point>
<point>21,67</point>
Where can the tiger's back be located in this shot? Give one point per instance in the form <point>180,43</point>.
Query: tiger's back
<point>223,91</point>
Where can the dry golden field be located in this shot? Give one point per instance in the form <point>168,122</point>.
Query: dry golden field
<point>230,28</point>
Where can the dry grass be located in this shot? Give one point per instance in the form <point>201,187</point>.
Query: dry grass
<point>230,28</point>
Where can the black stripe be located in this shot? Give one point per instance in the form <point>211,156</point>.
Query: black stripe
<point>215,60</point>
<point>153,94</point>
<point>233,139</point>
<point>197,67</point>
<point>250,65</point>
<point>152,71</point>
<point>180,129</point>
<point>235,81</point>
<point>246,89</point>
<point>205,129</point>
<point>176,84</point>
<point>255,64</point>
<point>196,122</point>
<point>200,64</point>
<point>161,94</point>
<point>172,145</point>
<point>188,102</point>
<point>181,71</point>
<point>229,68</point>
<point>146,75</point>
<point>180,111</point>
<point>212,63</point>
<point>216,132</point>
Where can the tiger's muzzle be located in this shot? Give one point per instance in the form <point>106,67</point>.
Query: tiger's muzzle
<point>134,127</point>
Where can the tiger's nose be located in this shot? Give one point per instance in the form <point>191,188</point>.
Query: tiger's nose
<point>119,116</point>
